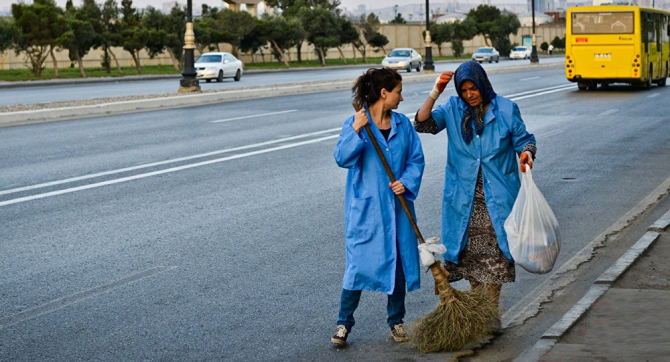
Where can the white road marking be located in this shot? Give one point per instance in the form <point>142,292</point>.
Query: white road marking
<point>541,93</point>
<point>525,79</point>
<point>254,115</point>
<point>159,163</point>
<point>559,87</point>
<point>77,297</point>
<point>160,172</point>
<point>607,113</point>
<point>653,95</point>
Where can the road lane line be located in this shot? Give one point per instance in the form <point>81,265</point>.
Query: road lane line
<point>159,163</point>
<point>653,95</point>
<point>255,115</point>
<point>525,79</point>
<point>161,172</point>
<point>78,297</point>
<point>607,113</point>
<point>533,92</point>
<point>542,93</point>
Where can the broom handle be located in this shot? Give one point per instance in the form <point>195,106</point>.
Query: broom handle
<point>403,202</point>
<point>439,274</point>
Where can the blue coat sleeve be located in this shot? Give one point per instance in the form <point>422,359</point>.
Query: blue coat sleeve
<point>349,146</point>
<point>520,136</point>
<point>413,171</point>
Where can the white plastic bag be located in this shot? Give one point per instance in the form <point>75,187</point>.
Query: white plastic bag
<point>532,229</point>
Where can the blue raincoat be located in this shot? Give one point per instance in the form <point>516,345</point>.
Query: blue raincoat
<point>373,217</point>
<point>504,135</point>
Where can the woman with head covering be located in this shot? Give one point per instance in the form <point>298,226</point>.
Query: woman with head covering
<point>381,247</point>
<point>485,133</point>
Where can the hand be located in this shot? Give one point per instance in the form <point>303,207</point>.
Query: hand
<point>360,120</point>
<point>526,158</point>
<point>441,83</point>
<point>397,187</point>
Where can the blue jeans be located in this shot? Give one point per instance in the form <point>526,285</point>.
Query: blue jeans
<point>395,306</point>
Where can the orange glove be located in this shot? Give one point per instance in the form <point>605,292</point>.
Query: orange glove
<point>525,158</point>
<point>441,83</point>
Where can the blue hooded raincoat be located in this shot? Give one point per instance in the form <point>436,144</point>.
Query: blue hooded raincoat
<point>373,216</point>
<point>494,150</point>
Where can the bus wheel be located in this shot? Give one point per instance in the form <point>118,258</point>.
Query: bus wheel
<point>647,84</point>
<point>582,86</point>
<point>661,83</point>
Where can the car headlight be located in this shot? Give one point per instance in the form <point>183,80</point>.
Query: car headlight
<point>385,62</point>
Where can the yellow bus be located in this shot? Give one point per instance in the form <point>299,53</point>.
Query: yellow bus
<point>617,44</point>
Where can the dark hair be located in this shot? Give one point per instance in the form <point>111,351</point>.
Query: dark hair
<point>368,87</point>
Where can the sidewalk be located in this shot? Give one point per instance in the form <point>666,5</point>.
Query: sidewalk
<point>625,316</point>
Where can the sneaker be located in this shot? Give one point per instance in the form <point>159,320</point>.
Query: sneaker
<point>398,333</point>
<point>340,337</point>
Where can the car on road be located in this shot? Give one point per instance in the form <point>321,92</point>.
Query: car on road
<point>217,66</point>
<point>486,54</point>
<point>520,53</point>
<point>403,58</point>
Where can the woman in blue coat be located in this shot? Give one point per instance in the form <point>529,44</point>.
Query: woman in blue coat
<point>485,133</point>
<point>381,247</point>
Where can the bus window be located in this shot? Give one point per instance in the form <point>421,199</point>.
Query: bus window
<point>603,23</point>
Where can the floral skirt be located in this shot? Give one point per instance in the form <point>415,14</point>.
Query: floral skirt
<point>481,260</point>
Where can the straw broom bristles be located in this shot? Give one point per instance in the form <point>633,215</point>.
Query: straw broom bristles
<point>461,317</point>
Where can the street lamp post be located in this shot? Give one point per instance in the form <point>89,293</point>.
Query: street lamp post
<point>428,66</point>
<point>189,83</point>
<point>533,53</point>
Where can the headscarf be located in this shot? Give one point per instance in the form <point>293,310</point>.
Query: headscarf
<point>475,73</point>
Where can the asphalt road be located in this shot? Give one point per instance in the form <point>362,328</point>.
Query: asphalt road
<point>216,232</point>
<point>58,92</point>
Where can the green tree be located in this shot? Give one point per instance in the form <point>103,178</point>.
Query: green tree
<point>38,27</point>
<point>503,26</point>
<point>348,35</point>
<point>233,26</point>
<point>253,42</point>
<point>161,36</point>
<point>463,30</point>
<point>80,36</point>
<point>484,17</point>
<point>558,42</point>
<point>440,33</point>
<point>282,34</point>
<point>399,20</point>
<point>176,27</point>
<point>322,29</point>
<point>8,33</point>
<point>544,46</point>
<point>110,34</point>
<point>134,37</point>
<point>368,27</point>
<point>378,42</point>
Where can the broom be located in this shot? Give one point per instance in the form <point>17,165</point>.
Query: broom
<point>461,317</point>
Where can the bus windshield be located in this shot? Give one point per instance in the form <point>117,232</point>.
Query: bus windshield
<point>603,23</point>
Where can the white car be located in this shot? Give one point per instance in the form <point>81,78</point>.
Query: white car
<point>520,53</point>
<point>403,58</point>
<point>218,66</point>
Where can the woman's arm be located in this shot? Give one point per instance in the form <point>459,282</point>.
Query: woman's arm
<point>440,83</point>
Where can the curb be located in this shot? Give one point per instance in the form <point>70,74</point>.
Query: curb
<point>199,99</point>
<point>604,282</point>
